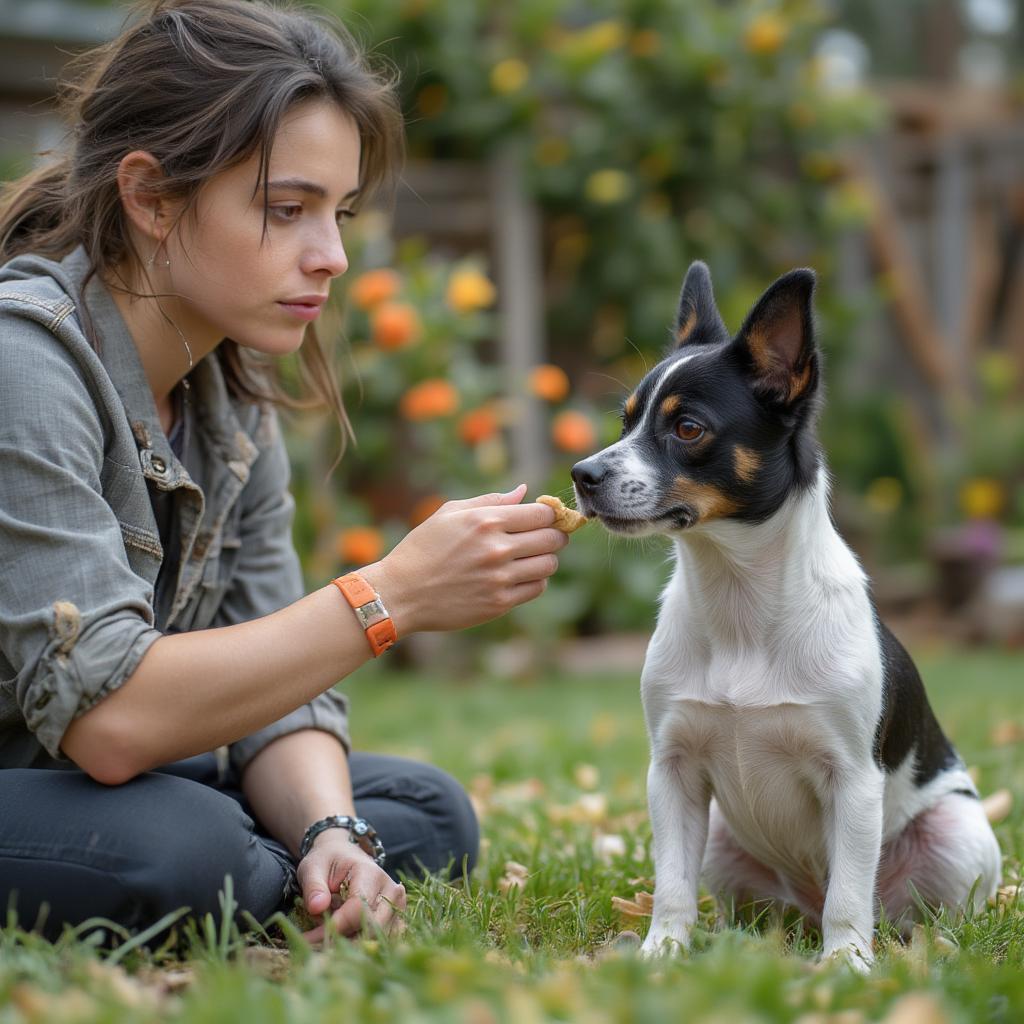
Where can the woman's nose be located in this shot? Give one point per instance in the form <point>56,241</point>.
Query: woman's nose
<point>327,255</point>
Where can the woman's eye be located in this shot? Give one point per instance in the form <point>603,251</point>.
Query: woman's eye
<point>687,430</point>
<point>343,216</point>
<point>290,212</point>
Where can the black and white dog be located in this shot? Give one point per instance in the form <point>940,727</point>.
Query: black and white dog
<point>794,755</point>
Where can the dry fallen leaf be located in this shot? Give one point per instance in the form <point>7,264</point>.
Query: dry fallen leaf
<point>1006,732</point>
<point>998,805</point>
<point>515,876</point>
<point>916,1008</point>
<point>586,776</point>
<point>608,847</point>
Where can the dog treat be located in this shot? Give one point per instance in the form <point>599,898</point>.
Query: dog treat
<point>566,519</point>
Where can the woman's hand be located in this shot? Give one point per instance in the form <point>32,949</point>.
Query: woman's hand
<point>338,873</point>
<point>470,562</point>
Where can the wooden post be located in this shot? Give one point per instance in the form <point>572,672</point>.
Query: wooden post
<point>517,247</point>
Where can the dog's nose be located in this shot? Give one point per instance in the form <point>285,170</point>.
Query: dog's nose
<point>588,474</point>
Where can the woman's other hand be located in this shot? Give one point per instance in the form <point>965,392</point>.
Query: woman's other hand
<point>339,874</point>
<point>470,562</point>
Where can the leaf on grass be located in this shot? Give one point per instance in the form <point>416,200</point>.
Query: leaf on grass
<point>1006,732</point>
<point>121,986</point>
<point>998,805</point>
<point>586,775</point>
<point>916,1008</point>
<point>515,876</point>
<point>1006,895</point>
<point>269,963</point>
<point>640,906</point>
<point>608,847</point>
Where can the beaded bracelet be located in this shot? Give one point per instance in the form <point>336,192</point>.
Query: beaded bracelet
<point>359,830</point>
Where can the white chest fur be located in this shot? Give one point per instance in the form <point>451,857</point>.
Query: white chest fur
<point>765,671</point>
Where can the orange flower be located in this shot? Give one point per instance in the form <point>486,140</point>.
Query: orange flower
<point>424,509</point>
<point>395,325</point>
<point>549,382</point>
<point>469,290</point>
<point>478,425</point>
<point>429,400</point>
<point>573,432</point>
<point>374,287</point>
<point>359,545</point>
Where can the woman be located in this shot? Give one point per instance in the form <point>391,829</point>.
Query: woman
<point>151,606</point>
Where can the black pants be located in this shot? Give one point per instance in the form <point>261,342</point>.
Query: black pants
<point>166,839</point>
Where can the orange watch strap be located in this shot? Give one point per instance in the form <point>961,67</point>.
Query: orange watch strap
<point>356,590</point>
<point>382,634</point>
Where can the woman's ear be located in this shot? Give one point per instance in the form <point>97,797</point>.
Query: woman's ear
<point>778,339</point>
<point>148,209</point>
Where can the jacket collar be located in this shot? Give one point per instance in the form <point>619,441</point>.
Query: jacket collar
<point>217,421</point>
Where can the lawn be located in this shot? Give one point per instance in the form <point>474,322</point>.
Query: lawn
<point>546,928</point>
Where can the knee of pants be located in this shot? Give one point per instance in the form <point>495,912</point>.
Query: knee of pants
<point>423,814</point>
<point>456,822</point>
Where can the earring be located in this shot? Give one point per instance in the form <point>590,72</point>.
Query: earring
<point>149,262</point>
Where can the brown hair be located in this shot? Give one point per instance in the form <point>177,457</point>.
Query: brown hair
<point>201,85</point>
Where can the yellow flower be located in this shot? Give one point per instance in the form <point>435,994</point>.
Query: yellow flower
<point>469,290</point>
<point>552,152</point>
<point>509,75</point>
<point>884,495</point>
<point>608,186</point>
<point>982,498</point>
<point>765,34</point>
<point>603,36</point>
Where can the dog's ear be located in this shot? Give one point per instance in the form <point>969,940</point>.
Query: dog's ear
<point>698,320</point>
<point>778,339</point>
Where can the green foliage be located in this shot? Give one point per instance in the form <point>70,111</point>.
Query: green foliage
<point>650,134</point>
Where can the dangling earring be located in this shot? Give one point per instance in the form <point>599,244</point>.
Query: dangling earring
<point>149,262</point>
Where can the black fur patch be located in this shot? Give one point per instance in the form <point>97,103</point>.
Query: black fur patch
<point>908,724</point>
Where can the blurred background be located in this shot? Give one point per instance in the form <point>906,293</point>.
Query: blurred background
<point>567,162</point>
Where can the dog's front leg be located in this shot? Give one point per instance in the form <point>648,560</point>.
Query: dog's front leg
<point>678,797</point>
<point>854,836</point>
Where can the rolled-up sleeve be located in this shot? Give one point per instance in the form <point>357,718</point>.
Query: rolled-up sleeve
<point>75,619</point>
<point>268,577</point>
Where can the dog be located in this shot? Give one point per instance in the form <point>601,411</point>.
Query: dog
<point>794,756</point>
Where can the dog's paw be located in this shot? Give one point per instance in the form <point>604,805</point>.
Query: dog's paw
<point>853,956</point>
<point>663,942</point>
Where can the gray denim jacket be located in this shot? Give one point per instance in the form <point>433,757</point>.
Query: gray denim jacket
<point>80,447</point>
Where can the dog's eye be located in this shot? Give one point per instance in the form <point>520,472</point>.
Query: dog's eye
<point>687,430</point>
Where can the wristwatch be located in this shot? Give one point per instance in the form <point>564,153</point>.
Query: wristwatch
<point>360,831</point>
<point>370,611</point>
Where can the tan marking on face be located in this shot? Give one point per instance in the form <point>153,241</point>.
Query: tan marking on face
<point>746,462</point>
<point>630,405</point>
<point>686,329</point>
<point>670,405</point>
<point>708,500</point>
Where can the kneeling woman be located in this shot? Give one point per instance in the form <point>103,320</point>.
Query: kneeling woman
<point>151,604</point>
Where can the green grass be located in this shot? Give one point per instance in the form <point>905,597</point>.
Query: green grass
<point>547,950</point>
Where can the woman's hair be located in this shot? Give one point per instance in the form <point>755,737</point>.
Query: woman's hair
<point>202,85</point>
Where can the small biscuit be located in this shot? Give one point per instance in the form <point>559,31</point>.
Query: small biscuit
<point>566,519</point>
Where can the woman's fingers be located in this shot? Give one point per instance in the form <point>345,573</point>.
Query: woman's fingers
<point>539,567</point>
<point>537,542</point>
<point>364,911</point>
